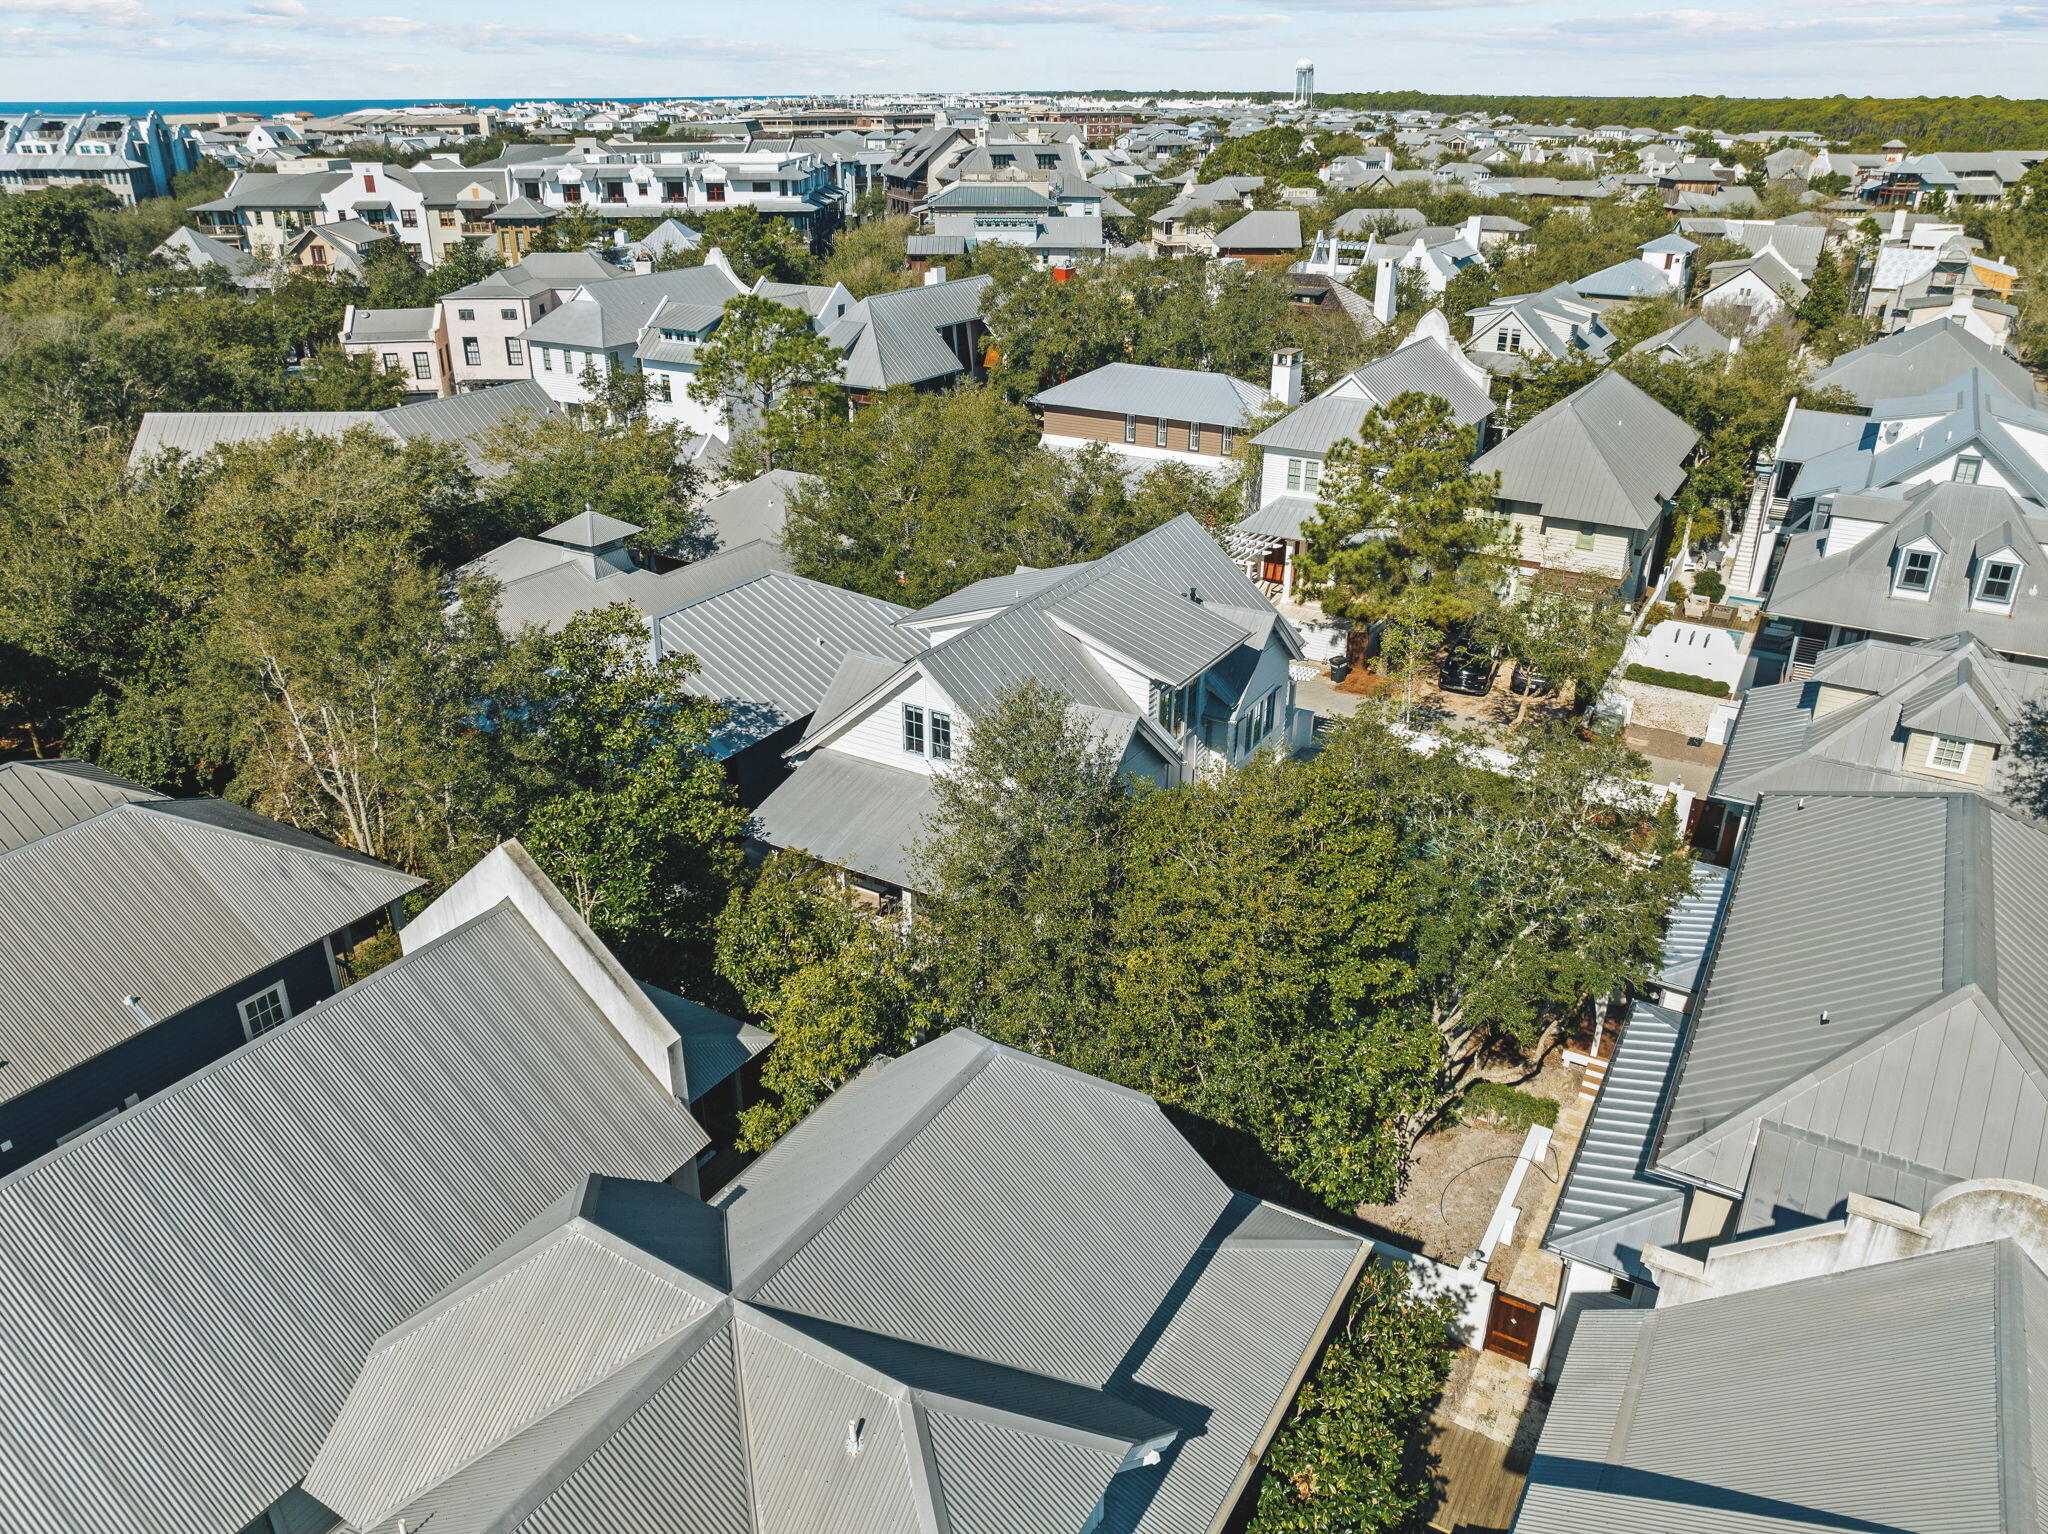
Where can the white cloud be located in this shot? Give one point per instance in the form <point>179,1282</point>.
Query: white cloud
<point>1103,13</point>
<point>116,13</point>
<point>967,40</point>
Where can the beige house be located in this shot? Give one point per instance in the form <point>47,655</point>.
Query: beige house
<point>1587,485</point>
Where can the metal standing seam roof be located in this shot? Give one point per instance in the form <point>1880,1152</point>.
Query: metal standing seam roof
<point>283,1208</point>
<point>1634,278</point>
<point>38,798</point>
<point>1910,362</point>
<point>893,338</point>
<point>614,312</point>
<point>195,432</point>
<point>1656,1421</point>
<point>1928,1063</point>
<point>1854,588</point>
<point>1278,229</point>
<point>171,901</point>
<point>850,813</point>
<point>1173,394</point>
<point>1607,454</point>
<point>1167,636</point>
<point>754,511</point>
<point>557,591</point>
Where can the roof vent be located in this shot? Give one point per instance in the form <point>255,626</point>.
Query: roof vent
<point>134,1004</point>
<point>854,1430</point>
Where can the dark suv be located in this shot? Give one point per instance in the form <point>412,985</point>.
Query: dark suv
<point>1467,669</point>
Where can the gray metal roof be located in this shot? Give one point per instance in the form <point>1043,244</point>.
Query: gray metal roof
<point>1633,278</point>
<point>375,327</point>
<point>40,797</point>
<point>1914,361</point>
<point>196,432</point>
<point>1610,1208</point>
<point>170,901</point>
<point>1855,588</point>
<point>282,1209</point>
<point>1426,367</point>
<point>554,593</point>
<point>1877,994</point>
<point>711,1368</point>
<point>1170,394</point>
<point>754,511</point>
<point>850,813</point>
<point>1607,454</point>
<point>1901,1396</point>
<point>1693,337</point>
<point>893,338</point>
<point>1163,634</point>
<point>590,530</point>
<point>1278,229</point>
<point>714,1046</point>
<point>466,419</point>
<point>768,648</point>
<point>612,313</point>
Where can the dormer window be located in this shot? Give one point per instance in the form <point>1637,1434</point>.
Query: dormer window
<point>1947,753</point>
<point>1996,582</point>
<point>1915,575</point>
<point>1967,470</point>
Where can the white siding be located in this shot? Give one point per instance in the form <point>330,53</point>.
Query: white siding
<point>877,736</point>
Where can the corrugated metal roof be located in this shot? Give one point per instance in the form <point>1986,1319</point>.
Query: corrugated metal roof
<point>465,418</point>
<point>1164,635</point>
<point>769,648</point>
<point>282,1209</point>
<point>1689,931</point>
<point>1171,394</point>
<point>1898,1398</point>
<point>850,813</point>
<point>169,901</point>
<point>41,797</point>
<point>200,431</point>
<point>554,593</point>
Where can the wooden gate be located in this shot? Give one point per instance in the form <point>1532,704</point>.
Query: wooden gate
<point>1511,1327</point>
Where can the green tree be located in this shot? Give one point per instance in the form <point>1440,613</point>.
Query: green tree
<point>49,227</point>
<point>464,262</point>
<point>755,245</point>
<point>1353,1455</point>
<point>393,276</point>
<point>1539,383</point>
<point>641,832</point>
<point>338,380</point>
<point>836,988</point>
<point>1474,287</point>
<point>1569,637</point>
<point>1402,522</point>
<point>762,354</point>
<point>1827,296</point>
<point>1022,856</point>
<point>869,257</point>
<point>552,467</point>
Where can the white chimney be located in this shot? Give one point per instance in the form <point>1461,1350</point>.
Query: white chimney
<point>1287,376</point>
<point>1473,226</point>
<point>1383,291</point>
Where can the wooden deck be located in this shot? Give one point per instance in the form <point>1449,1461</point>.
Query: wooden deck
<point>1480,1491</point>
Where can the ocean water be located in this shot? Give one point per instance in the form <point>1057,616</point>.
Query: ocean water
<point>318,108</point>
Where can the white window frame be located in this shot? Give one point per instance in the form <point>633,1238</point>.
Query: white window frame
<point>1131,429</point>
<point>248,1004</point>
<point>515,352</point>
<point>1916,593</point>
<point>939,735</point>
<point>1983,596</point>
<point>1973,463</point>
<point>1961,764</point>
<point>1159,432</point>
<point>914,736</point>
<point>472,352</point>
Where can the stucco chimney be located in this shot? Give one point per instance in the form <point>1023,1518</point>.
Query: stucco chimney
<point>1287,376</point>
<point>1383,285</point>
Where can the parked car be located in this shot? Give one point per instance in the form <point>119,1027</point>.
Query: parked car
<point>1526,682</point>
<point>1468,670</point>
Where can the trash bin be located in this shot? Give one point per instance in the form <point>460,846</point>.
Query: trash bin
<point>1340,668</point>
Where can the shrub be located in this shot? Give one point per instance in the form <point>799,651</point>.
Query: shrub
<point>1509,1107</point>
<point>1677,680</point>
<point>1708,583</point>
<point>1675,592</point>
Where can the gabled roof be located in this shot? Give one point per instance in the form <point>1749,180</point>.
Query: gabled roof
<point>1607,454</point>
<point>171,901</point>
<point>1955,685</point>
<point>38,798</point>
<point>1913,361</point>
<point>1278,229</point>
<point>1693,337</point>
<point>1656,1422</point>
<point>613,313</point>
<point>282,1209</point>
<point>753,511</point>
<point>548,584</point>
<point>1928,950</point>
<point>1175,394</point>
<point>1854,588</point>
<point>1634,278</point>
<point>893,338</point>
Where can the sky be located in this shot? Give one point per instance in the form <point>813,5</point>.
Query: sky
<point>64,50</point>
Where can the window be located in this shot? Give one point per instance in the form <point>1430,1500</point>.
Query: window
<point>1002,161</point>
<point>1048,162</point>
<point>1229,440</point>
<point>667,388</point>
<point>675,191</point>
<point>317,255</point>
<point>1304,474</point>
<point>447,219</point>
<point>264,1011</point>
<point>1996,585</point>
<point>547,360</point>
<point>1130,428</point>
<point>1159,433</point>
<point>942,736</point>
<point>1583,541</point>
<point>472,352</point>
<point>571,192</point>
<point>1916,571</point>
<point>1170,707</point>
<point>1506,340</point>
<point>1945,753</point>
<point>508,314</point>
<point>913,729</point>
<point>1194,436</point>
<point>423,364</point>
<point>465,314</point>
<point>615,191</point>
<point>515,353</point>
<point>1967,470</point>
<point>408,218</point>
<point>714,191</point>
<point>391,363</point>
<point>530,190</point>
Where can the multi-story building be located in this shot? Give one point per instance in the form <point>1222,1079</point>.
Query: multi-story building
<point>428,208</point>
<point>657,180</point>
<point>132,157</point>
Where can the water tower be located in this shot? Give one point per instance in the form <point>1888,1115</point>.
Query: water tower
<point>1304,83</point>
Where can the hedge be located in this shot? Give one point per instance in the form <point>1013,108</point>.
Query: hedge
<point>1507,1106</point>
<point>1677,680</point>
